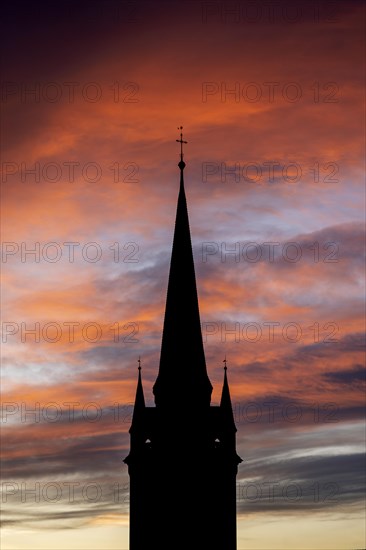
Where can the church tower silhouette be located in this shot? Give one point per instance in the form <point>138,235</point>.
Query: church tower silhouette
<point>182,462</point>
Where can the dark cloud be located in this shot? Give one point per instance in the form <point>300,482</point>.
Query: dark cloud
<point>349,376</point>
<point>82,455</point>
<point>311,483</point>
<point>46,517</point>
<point>350,343</point>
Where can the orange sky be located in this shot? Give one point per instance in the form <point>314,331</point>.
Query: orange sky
<point>112,81</point>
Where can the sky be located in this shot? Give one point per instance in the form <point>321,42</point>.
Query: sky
<point>270,95</point>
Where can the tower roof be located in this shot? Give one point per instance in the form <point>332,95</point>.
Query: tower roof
<point>139,407</point>
<point>182,370</point>
<point>225,403</point>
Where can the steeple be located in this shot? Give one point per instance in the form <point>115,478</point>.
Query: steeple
<point>182,370</point>
<point>139,407</point>
<point>225,403</point>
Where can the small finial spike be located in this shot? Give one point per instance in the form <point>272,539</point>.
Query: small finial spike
<point>224,361</point>
<point>139,362</point>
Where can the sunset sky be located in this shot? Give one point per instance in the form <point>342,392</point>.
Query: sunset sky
<point>270,95</point>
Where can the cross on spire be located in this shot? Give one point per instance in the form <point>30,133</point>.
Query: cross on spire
<point>181,141</point>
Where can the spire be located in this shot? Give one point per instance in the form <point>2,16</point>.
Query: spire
<point>182,370</point>
<point>225,403</point>
<point>139,399</point>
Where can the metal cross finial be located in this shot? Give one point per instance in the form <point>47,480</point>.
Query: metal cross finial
<point>139,362</point>
<point>224,361</point>
<point>181,142</point>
